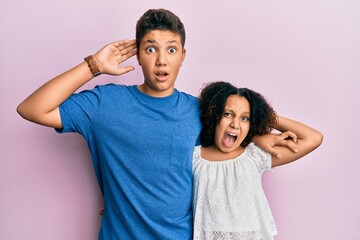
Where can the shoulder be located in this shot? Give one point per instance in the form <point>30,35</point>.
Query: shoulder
<point>261,158</point>
<point>255,151</point>
<point>196,161</point>
<point>196,152</point>
<point>188,97</point>
<point>108,91</point>
<point>112,87</point>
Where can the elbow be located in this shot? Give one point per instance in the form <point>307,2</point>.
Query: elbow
<point>20,110</point>
<point>23,111</point>
<point>33,114</point>
<point>320,138</point>
<point>317,139</point>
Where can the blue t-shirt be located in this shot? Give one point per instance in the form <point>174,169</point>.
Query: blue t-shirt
<point>141,147</point>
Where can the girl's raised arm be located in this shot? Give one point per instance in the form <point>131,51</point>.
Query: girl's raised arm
<point>307,139</point>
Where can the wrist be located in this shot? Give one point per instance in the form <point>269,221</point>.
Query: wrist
<point>93,65</point>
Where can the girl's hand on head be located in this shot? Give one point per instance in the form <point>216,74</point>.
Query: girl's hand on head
<point>109,57</point>
<point>287,135</point>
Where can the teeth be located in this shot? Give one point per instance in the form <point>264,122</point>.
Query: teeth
<point>232,134</point>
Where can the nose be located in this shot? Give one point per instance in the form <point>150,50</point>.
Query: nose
<point>161,59</point>
<point>235,124</point>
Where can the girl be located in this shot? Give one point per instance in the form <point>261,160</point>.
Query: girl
<point>229,202</point>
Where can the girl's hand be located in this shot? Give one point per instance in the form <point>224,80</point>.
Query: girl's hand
<point>268,141</point>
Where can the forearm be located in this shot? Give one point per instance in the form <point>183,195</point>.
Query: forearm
<point>42,106</point>
<point>49,96</point>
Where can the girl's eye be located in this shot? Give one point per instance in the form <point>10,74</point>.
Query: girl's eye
<point>150,49</point>
<point>172,50</point>
<point>245,119</point>
<point>227,114</point>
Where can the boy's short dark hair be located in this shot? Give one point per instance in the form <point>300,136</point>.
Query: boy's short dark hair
<point>159,19</point>
<point>212,103</point>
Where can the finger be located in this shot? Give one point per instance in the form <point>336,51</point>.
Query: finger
<point>293,136</point>
<point>131,54</point>
<point>291,145</point>
<point>125,55</point>
<point>125,70</point>
<point>289,134</point>
<point>275,154</point>
<point>128,48</point>
<point>123,50</point>
<point>286,143</point>
<point>125,44</point>
<point>121,42</point>
<point>272,151</point>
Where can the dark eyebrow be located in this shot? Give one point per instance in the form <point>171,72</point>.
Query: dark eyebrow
<point>228,110</point>
<point>150,41</point>
<point>172,41</point>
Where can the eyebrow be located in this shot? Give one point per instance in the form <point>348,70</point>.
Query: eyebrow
<point>151,41</point>
<point>229,110</point>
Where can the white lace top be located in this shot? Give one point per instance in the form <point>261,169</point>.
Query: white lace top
<point>229,201</point>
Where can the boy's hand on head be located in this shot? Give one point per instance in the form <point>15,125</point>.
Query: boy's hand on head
<point>109,57</point>
<point>268,141</point>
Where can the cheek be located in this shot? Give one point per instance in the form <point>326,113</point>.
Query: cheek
<point>145,65</point>
<point>246,129</point>
<point>217,139</point>
<point>218,133</point>
<point>176,62</point>
<point>144,60</point>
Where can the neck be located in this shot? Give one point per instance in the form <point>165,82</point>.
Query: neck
<point>155,93</point>
<point>213,153</point>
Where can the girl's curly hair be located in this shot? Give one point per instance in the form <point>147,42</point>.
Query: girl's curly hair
<point>212,103</point>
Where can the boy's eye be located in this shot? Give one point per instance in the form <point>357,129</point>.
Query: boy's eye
<point>172,50</point>
<point>227,114</point>
<point>150,49</point>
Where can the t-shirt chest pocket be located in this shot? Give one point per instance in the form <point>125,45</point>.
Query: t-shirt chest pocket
<point>181,150</point>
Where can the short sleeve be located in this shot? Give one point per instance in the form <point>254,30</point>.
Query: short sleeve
<point>262,159</point>
<point>78,111</point>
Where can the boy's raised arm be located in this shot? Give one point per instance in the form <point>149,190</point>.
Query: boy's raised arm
<point>42,106</point>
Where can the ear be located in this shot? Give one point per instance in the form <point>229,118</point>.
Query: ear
<point>183,56</point>
<point>138,58</point>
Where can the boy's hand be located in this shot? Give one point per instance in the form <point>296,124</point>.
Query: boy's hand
<point>109,57</point>
<point>268,141</point>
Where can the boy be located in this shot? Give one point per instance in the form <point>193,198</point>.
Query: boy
<point>141,138</point>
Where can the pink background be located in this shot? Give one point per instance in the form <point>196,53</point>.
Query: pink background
<point>303,55</point>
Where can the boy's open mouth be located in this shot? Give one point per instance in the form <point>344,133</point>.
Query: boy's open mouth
<point>161,74</point>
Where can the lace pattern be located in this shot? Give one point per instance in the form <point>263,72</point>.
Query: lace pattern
<point>216,235</point>
<point>229,202</point>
